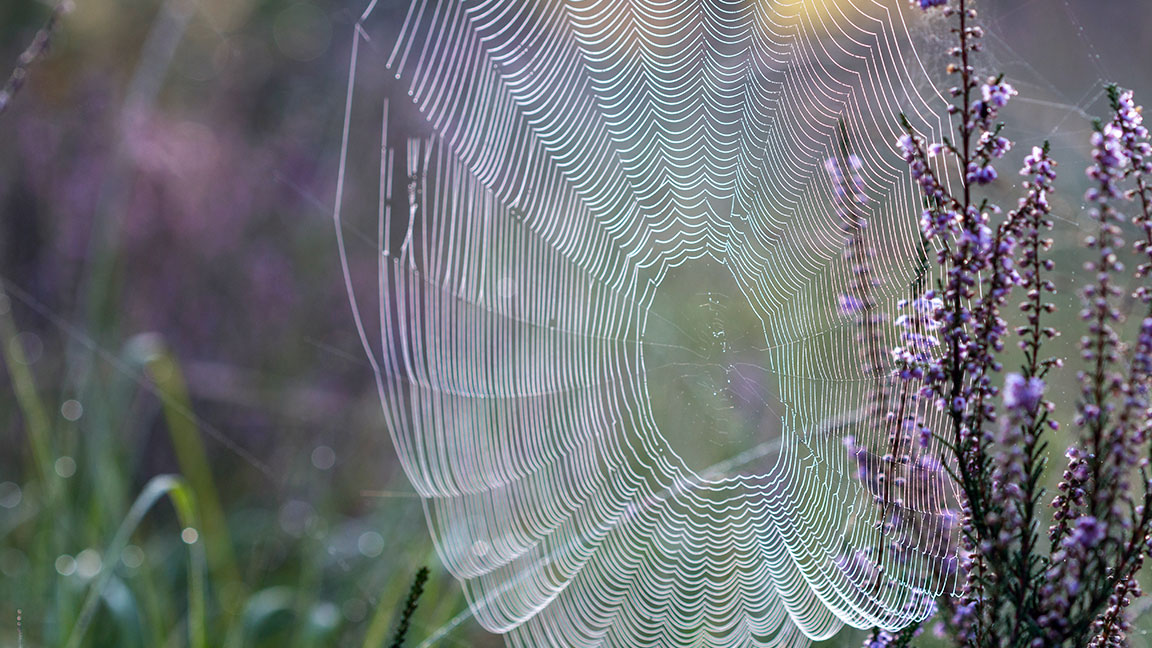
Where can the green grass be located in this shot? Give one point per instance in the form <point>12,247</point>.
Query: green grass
<point>184,501</point>
<point>89,559</point>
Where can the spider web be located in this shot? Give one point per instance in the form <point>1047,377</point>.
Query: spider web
<point>618,213</point>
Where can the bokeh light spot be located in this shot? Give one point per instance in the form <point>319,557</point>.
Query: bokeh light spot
<point>88,564</point>
<point>323,457</point>
<point>370,544</point>
<point>132,557</point>
<point>10,495</point>
<point>71,410</point>
<point>65,565</point>
<point>65,466</point>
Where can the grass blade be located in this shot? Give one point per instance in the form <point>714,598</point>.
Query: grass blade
<point>184,501</point>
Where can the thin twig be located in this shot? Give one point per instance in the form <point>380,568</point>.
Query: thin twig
<point>39,46</point>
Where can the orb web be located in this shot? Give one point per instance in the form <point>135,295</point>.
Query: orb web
<point>613,309</point>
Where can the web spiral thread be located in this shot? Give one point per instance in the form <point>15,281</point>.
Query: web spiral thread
<point>579,151</point>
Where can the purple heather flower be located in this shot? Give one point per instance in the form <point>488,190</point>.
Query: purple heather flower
<point>1138,150</point>
<point>997,94</point>
<point>981,174</point>
<point>1142,358</point>
<point>1113,626</point>
<point>994,95</point>
<point>850,305</point>
<point>994,145</point>
<point>835,175</point>
<point>907,145</point>
<point>928,4</point>
<point>1022,395</point>
<point>847,190</point>
<point>858,565</point>
<point>913,152</point>
<point>1087,532</point>
<point>1038,163</point>
<point>1129,112</point>
<point>936,223</point>
<point>914,360</point>
<point>1111,159</point>
<point>1112,405</point>
<point>980,239</point>
<point>882,639</point>
<point>953,352</point>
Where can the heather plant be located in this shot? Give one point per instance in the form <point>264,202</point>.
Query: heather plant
<point>1016,585</point>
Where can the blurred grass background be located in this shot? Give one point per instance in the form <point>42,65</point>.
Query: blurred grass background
<point>173,304</point>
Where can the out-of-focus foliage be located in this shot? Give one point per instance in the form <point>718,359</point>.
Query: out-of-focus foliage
<point>167,170</point>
